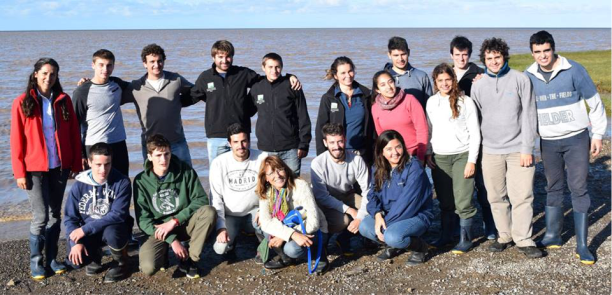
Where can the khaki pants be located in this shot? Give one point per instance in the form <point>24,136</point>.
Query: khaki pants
<point>336,220</point>
<point>510,192</point>
<point>154,253</point>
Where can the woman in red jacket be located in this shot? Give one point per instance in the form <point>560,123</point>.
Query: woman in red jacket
<point>45,151</point>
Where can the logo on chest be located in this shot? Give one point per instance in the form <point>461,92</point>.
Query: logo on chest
<point>334,107</point>
<point>210,87</point>
<point>166,201</point>
<point>260,99</point>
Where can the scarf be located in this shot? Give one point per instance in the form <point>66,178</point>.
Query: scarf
<point>391,104</point>
<point>278,203</point>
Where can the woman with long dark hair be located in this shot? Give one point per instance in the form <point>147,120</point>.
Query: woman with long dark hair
<point>399,201</point>
<point>395,109</point>
<point>45,151</point>
<point>454,136</point>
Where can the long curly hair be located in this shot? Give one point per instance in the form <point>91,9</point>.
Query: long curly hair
<point>455,93</point>
<point>382,166</point>
<point>29,102</point>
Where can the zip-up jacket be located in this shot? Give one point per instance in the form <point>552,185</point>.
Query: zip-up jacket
<point>160,112</point>
<point>28,148</point>
<point>282,116</point>
<point>561,110</point>
<point>405,195</point>
<point>331,110</point>
<point>226,99</point>
<point>179,195</point>
<point>93,206</point>
<point>465,83</point>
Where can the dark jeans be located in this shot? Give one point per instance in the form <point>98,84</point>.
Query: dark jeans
<point>116,236</point>
<point>573,153</point>
<point>46,192</point>
<point>120,160</point>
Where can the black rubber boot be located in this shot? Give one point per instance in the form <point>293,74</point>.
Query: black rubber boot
<point>554,226</point>
<point>419,251</point>
<point>121,269</point>
<point>465,242</point>
<point>51,240</point>
<point>581,226</point>
<point>323,263</point>
<point>447,221</point>
<point>37,270</point>
<point>389,253</point>
<point>95,266</point>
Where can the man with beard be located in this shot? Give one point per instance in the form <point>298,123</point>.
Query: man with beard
<point>233,178</point>
<point>337,178</point>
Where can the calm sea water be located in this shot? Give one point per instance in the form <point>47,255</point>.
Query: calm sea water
<point>306,53</point>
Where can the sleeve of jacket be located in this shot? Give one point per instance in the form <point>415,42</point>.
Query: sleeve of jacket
<point>72,217</point>
<point>18,140</point>
<point>529,116</point>
<point>75,138</point>
<point>216,191</point>
<point>303,121</point>
<point>597,112</point>
<point>303,193</point>
<point>80,110</point>
<point>319,188</point>
<point>374,202</point>
<point>185,92</point>
<point>427,86</point>
<point>322,119</point>
<point>118,213</point>
<point>270,225</point>
<point>420,125</point>
<point>429,128</point>
<point>144,216</point>
<point>127,93</point>
<point>473,125</point>
<point>198,91</point>
<point>197,197</point>
<point>361,173</point>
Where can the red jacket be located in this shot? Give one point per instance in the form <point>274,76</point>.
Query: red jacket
<point>28,149</point>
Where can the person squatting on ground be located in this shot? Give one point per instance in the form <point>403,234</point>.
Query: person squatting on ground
<point>394,109</point>
<point>171,207</point>
<point>45,151</point>
<point>283,124</point>
<point>509,128</point>
<point>280,192</point>
<point>562,86</point>
<point>339,180</point>
<point>97,213</point>
<point>97,107</point>
<point>348,103</point>
<point>399,201</point>
<point>454,141</point>
<point>233,179</point>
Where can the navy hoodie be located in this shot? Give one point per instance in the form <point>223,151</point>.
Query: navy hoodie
<point>95,206</point>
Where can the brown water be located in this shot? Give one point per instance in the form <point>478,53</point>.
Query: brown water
<point>306,53</point>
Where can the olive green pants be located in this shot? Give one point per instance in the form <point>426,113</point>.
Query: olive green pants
<point>453,190</point>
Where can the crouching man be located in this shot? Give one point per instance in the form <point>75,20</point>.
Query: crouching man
<point>171,206</point>
<point>97,213</point>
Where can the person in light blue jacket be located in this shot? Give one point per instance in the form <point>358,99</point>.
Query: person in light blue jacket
<point>399,201</point>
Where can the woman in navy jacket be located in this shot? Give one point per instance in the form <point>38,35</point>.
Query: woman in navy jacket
<point>399,201</point>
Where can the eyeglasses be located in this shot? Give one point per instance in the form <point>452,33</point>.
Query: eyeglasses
<point>277,171</point>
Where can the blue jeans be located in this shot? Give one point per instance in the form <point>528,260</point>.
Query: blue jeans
<point>293,250</point>
<point>216,147</point>
<point>179,149</point>
<point>398,234</point>
<point>572,152</point>
<point>290,157</point>
<point>233,225</point>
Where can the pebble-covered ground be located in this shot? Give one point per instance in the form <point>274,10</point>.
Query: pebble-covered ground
<point>476,272</point>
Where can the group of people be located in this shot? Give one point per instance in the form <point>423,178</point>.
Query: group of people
<point>475,129</point>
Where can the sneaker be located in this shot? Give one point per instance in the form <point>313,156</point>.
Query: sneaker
<point>190,268</point>
<point>277,262</point>
<point>531,251</point>
<point>389,253</point>
<point>498,247</point>
<point>258,259</point>
<point>93,268</point>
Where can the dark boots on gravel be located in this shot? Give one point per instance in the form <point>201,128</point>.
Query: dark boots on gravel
<point>447,223</point>
<point>419,251</point>
<point>37,243</point>
<point>121,268</point>
<point>280,261</point>
<point>465,239</point>
<point>554,226</point>
<point>389,253</point>
<point>581,226</point>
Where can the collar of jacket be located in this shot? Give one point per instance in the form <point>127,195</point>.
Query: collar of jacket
<point>503,71</point>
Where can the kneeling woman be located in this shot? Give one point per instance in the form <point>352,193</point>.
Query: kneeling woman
<point>399,203</point>
<point>280,192</point>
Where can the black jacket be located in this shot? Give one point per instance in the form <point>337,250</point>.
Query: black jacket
<point>466,81</point>
<point>226,99</point>
<point>282,116</point>
<point>327,115</point>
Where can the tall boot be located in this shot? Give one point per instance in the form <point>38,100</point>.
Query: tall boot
<point>37,243</point>
<point>51,239</point>
<point>465,242</point>
<point>447,225</point>
<point>581,226</point>
<point>554,226</point>
<point>323,263</point>
<point>121,269</point>
<point>95,264</point>
<point>419,251</point>
<point>281,260</point>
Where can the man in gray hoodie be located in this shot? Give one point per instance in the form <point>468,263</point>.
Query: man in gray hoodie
<point>509,125</point>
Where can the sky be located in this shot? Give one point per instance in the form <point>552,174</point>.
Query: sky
<point>17,15</point>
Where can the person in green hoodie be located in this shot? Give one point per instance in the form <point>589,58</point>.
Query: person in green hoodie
<point>171,206</point>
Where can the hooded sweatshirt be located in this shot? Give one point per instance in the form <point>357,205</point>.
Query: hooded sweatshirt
<point>560,101</point>
<point>178,195</point>
<point>413,81</point>
<point>94,206</point>
<point>507,105</point>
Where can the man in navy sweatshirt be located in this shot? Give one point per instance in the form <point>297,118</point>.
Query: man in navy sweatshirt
<point>562,87</point>
<point>97,213</point>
